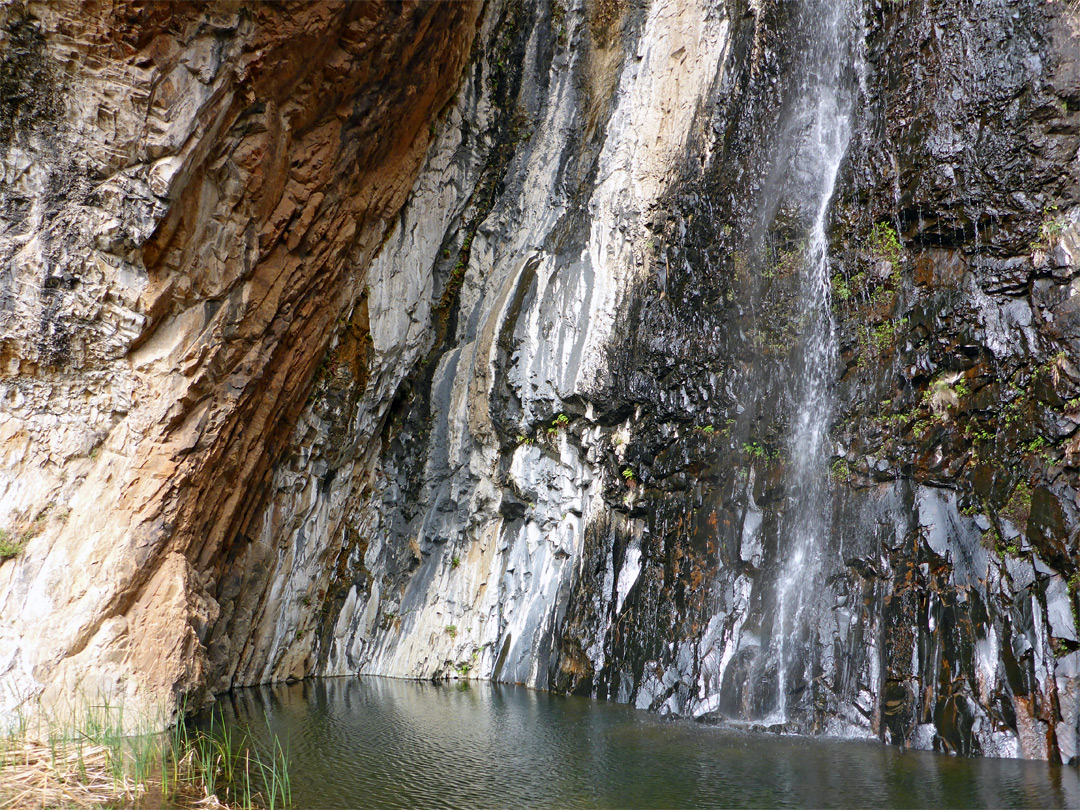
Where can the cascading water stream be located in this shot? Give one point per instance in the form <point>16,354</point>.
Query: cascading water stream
<point>806,166</point>
<point>808,478</point>
<point>823,129</point>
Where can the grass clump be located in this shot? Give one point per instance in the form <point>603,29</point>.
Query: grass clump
<point>98,760</point>
<point>10,545</point>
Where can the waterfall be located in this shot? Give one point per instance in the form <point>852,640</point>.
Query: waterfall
<point>822,125</point>
<point>805,165</point>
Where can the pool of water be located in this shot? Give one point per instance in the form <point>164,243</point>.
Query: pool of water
<point>385,743</point>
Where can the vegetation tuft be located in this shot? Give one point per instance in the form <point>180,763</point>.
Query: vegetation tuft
<point>884,243</point>
<point>97,760</point>
<point>10,546</point>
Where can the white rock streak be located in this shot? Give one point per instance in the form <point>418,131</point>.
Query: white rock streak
<point>496,611</point>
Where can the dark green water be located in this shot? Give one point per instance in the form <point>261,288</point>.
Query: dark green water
<point>385,743</point>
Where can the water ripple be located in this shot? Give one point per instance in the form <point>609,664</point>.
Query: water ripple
<point>398,744</point>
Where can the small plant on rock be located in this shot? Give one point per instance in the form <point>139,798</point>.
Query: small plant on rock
<point>884,243</point>
<point>1035,445</point>
<point>971,509</point>
<point>841,470</point>
<point>10,546</point>
<point>1051,228</point>
<point>755,450</point>
<point>944,393</point>
<point>840,287</point>
<point>1017,509</point>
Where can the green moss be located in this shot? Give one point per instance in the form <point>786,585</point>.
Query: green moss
<point>840,287</point>
<point>875,342</point>
<point>1017,509</point>
<point>841,470</point>
<point>882,298</point>
<point>991,540</point>
<point>884,335</point>
<point>785,262</point>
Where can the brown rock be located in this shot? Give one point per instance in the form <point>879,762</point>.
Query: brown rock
<point>221,175</point>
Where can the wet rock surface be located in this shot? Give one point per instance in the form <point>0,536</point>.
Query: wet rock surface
<point>533,422</point>
<point>660,481</point>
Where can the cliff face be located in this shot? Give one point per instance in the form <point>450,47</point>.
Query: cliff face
<point>711,356</point>
<point>191,196</point>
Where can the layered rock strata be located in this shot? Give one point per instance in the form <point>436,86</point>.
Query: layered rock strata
<point>529,417</point>
<point>192,194</point>
<point>584,488</point>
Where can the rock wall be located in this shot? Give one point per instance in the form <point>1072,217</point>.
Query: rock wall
<point>506,390</point>
<point>584,484</point>
<point>191,197</point>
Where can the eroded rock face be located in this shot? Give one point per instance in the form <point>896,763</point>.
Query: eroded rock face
<point>274,409</point>
<point>191,194</point>
<point>585,484</point>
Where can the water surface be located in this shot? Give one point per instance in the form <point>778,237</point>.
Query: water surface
<point>384,743</point>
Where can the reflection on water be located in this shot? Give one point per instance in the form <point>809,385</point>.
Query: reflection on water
<point>385,743</point>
